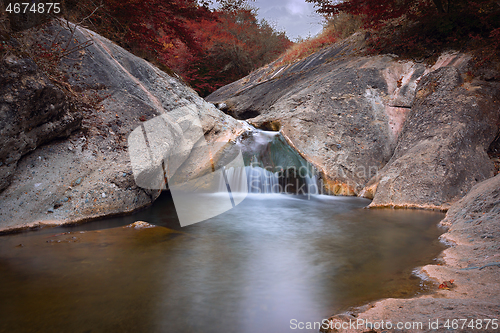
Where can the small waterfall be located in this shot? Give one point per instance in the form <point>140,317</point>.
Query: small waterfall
<point>271,167</point>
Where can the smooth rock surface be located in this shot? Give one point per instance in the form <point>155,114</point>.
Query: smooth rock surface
<point>349,114</point>
<point>89,175</point>
<point>441,151</point>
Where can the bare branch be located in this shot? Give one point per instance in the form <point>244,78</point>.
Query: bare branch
<point>88,16</point>
<point>77,48</point>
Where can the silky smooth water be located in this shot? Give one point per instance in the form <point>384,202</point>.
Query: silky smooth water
<point>253,269</point>
<point>271,166</point>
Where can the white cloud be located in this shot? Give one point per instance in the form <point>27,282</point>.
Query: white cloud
<point>295,17</point>
<point>297,7</point>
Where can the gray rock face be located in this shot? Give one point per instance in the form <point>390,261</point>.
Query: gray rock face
<point>481,203</point>
<point>89,175</point>
<point>348,115</point>
<point>331,109</point>
<point>441,151</point>
<point>32,111</point>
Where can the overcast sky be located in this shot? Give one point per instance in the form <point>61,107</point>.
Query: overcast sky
<point>295,17</point>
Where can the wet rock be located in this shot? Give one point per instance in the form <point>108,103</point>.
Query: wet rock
<point>140,225</point>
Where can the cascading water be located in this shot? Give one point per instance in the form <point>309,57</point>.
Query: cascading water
<point>271,166</point>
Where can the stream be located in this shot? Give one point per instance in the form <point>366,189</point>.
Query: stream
<point>273,258</point>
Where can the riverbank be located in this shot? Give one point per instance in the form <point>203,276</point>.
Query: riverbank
<point>472,263</point>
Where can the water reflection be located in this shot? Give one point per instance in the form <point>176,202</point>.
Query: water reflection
<point>252,269</point>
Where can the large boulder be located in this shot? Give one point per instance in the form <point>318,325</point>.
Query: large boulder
<point>342,111</point>
<point>89,174</point>
<point>441,151</point>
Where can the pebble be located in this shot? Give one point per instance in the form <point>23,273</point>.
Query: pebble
<point>103,195</point>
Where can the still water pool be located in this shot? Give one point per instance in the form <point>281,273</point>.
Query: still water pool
<point>253,269</point>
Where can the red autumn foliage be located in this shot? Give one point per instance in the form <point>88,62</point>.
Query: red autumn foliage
<point>233,45</point>
<point>308,46</point>
<point>422,26</point>
<point>208,48</point>
<point>446,285</point>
